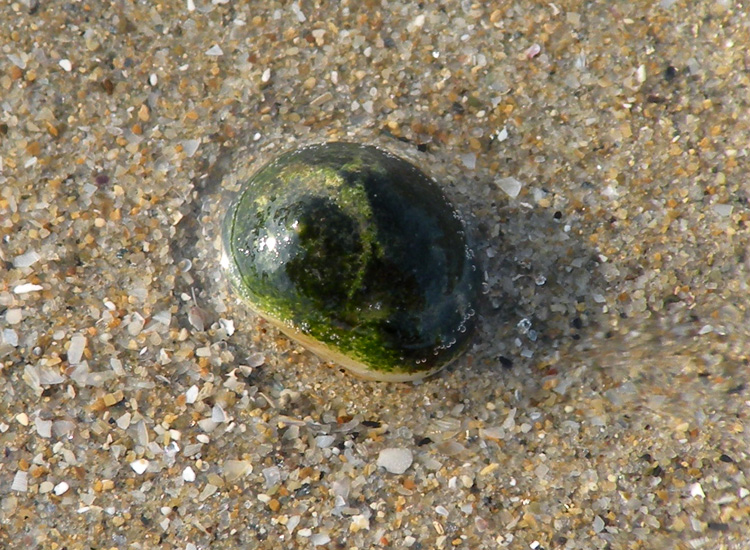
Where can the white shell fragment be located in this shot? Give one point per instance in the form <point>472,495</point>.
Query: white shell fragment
<point>139,466</point>
<point>26,288</point>
<point>227,325</point>
<point>395,460</point>
<point>61,488</point>
<point>188,474</point>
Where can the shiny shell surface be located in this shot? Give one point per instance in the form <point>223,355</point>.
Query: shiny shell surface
<point>357,255</point>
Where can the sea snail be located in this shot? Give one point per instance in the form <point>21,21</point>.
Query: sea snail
<point>358,256</point>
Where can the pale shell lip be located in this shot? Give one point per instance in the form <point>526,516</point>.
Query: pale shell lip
<point>356,368</point>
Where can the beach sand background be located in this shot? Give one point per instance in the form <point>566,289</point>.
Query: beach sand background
<point>598,152</point>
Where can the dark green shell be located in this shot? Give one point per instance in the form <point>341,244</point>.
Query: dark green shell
<point>357,254</point>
